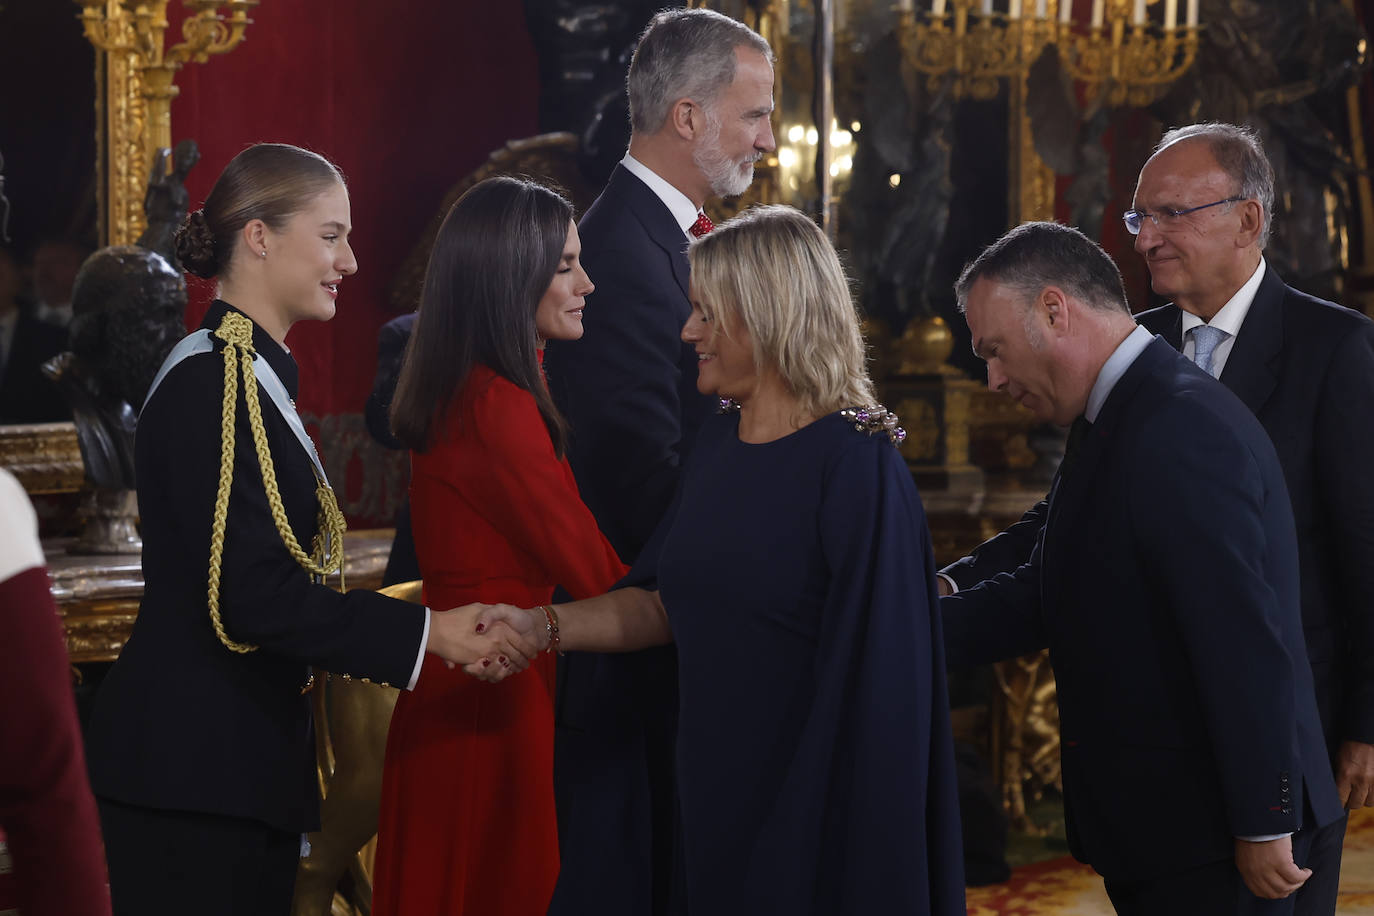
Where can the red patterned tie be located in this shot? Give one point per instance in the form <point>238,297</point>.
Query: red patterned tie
<point>702,226</point>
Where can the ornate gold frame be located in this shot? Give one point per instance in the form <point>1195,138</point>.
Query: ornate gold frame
<point>44,456</point>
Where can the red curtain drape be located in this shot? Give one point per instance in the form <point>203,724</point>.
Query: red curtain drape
<point>406,99</point>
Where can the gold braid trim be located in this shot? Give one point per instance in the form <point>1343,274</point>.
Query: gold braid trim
<point>237,333</point>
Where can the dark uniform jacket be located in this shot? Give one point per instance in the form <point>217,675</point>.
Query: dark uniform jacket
<point>181,722</point>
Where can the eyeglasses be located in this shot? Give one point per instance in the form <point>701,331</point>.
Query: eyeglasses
<point>1165,218</point>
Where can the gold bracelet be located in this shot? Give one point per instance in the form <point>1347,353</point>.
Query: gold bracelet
<point>551,622</point>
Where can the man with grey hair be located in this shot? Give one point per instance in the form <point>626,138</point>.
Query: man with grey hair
<point>1305,368</point>
<point>700,91</point>
<point>1164,584</point>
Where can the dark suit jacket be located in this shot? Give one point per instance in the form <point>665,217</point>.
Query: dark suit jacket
<point>26,394</point>
<point>629,387</point>
<point>1165,585</point>
<point>628,390</point>
<point>402,564</point>
<point>182,723</point>
<point>1305,368</point>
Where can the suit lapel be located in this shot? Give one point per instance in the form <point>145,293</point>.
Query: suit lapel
<point>1073,488</point>
<point>1167,322</point>
<point>1252,368</point>
<point>657,220</point>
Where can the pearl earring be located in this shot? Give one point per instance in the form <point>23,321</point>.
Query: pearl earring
<point>263,252</point>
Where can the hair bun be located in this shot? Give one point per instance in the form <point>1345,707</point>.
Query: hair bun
<point>195,245</point>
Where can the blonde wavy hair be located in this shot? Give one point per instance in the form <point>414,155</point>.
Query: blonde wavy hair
<point>774,271</point>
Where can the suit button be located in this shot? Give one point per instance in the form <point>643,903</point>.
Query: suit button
<point>1287,810</point>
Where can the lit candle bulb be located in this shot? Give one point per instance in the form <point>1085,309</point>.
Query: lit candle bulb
<point>906,6</point>
<point>1041,8</point>
<point>1065,12</point>
<point>937,7</point>
<point>1192,14</point>
<point>1014,10</point>
<point>1139,16</point>
<point>1170,13</point>
<point>986,9</point>
<point>1098,9</point>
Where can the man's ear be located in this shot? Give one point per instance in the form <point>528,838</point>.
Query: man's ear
<point>1053,308</point>
<point>687,118</point>
<point>1251,223</point>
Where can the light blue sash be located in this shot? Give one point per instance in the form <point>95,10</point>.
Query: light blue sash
<point>201,341</point>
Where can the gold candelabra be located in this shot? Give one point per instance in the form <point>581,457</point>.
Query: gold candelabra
<point>139,81</point>
<point>975,47</point>
<point>1126,58</point>
<point>1122,53</point>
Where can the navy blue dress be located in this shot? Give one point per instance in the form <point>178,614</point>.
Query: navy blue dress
<point>816,770</point>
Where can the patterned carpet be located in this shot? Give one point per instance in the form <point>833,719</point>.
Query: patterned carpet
<point>1063,887</point>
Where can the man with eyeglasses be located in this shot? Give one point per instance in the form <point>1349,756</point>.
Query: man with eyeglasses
<point>1305,367</point>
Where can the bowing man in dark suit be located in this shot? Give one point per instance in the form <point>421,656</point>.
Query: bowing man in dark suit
<point>1305,368</point>
<point>700,91</point>
<point>1165,585</point>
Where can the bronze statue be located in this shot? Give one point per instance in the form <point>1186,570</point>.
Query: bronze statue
<point>166,201</point>
<point>127,307</point>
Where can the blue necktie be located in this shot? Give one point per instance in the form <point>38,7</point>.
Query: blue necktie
<point>1205,341</point>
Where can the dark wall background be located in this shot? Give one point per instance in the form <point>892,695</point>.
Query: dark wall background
<point>47,122</point>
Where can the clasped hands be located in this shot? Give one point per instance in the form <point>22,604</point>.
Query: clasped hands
<point>490,641</point>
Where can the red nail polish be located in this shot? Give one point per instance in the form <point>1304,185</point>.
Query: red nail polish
<point>486,663</point>
<point>502,660</point>
<point>481,628</point>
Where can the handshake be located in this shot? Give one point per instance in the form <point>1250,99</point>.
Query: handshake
<point>494,641</point>
<point>490,641</point>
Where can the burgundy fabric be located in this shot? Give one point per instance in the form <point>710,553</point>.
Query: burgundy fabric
<point>46,808</point>
<point>406,103</point>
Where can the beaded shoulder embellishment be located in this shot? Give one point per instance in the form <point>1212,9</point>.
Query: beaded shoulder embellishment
<point>874,420</point>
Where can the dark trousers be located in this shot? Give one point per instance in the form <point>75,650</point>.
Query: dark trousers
<point>1318,896</point>
<point>170,863</point>
<point>1217,889</point>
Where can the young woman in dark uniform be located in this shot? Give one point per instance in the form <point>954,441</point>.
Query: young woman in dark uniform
<point>201,744</point>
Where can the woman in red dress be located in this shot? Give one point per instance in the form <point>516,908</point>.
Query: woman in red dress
<point>467,819</point>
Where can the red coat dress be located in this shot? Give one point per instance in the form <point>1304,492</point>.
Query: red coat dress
<point>467,819</point>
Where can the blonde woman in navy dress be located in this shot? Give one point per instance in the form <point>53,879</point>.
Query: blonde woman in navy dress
<point>815,764</point>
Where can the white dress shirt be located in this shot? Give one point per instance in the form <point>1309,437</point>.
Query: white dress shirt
<point>679,204</point>
<point>1229,319</point>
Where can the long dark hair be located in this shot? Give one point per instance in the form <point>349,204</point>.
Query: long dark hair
<point>267,181</point>
<point>492,261</point>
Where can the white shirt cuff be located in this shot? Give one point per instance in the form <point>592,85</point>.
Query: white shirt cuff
<point>420,659</point>
<point>953,586</point>
<point>1264,839</point>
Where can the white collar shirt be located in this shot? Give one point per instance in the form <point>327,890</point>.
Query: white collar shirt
<point>684,211</point>
<point>1116,365</point>
<point>1228,319</point>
